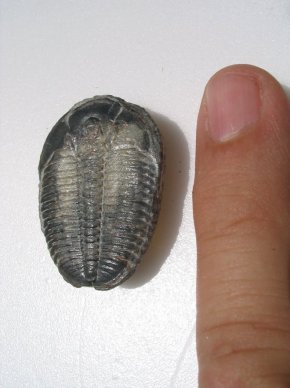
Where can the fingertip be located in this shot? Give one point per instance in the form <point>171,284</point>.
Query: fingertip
<point>232,97</point>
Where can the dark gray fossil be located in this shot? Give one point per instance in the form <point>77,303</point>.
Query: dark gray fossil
<point>100,185</point>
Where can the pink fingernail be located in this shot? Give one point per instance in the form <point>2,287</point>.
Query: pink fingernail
<point>233,103</point>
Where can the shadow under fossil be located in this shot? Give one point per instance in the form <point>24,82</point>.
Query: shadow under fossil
<point>175,181</point>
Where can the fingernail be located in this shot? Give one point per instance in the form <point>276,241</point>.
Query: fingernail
<point>233,104</point>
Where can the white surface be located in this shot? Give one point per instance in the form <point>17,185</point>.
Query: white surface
<point>158,54</point>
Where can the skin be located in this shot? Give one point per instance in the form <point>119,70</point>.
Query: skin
<point>241,203</point>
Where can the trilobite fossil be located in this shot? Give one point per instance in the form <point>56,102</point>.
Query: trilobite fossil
<point>99,192</point>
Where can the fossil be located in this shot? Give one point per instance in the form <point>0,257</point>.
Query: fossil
<point>99,193</point>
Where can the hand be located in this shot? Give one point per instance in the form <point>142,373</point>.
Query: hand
<point>241,201</point>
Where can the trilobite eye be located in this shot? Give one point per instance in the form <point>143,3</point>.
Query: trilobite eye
<point>100,195</point>
<point>91,122</point>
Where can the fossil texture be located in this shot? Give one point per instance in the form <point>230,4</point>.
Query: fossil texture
<point>100,182</point>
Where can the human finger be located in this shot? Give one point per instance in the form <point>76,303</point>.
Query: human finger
<point>241,201</point>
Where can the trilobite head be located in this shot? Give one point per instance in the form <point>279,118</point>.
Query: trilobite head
<point>99,191</point>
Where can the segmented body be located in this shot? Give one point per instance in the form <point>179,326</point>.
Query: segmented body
<point>100,182</point>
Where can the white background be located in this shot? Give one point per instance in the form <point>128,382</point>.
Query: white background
<point>158,54</point>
